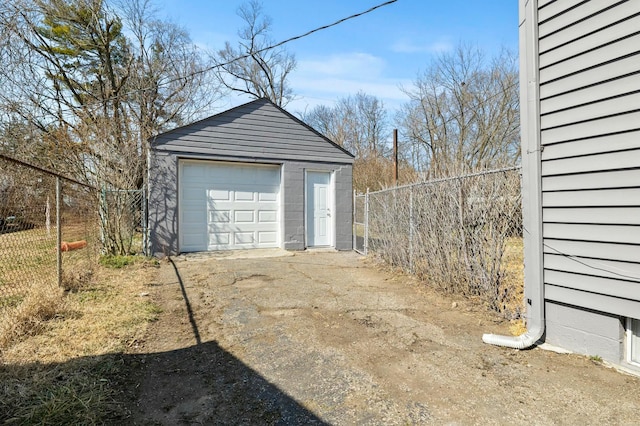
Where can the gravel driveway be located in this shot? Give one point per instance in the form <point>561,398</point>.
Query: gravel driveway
<point>325,337</point>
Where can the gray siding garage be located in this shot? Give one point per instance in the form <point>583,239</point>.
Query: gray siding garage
<point>580,79</point>
<point>251,177</point>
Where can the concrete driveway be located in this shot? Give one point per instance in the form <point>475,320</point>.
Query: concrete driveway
<point>325,337</point>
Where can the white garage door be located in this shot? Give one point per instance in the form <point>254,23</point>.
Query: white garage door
<point>225,206</point>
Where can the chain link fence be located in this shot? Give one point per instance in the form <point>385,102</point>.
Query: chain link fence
<point>49,243</point>
<point>461,234</point>
<point>123,221</point>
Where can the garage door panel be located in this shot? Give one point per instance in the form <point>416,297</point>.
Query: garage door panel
<point>244,238</point>
<point>267,216</point>
<point>267,237</point>
<point>244,216</point>
<point>219,195</point>
<point>244,196</point>
<point>226,206</point>
<point>220,238</point>
<point>268,196</point>
<point>220,216</point>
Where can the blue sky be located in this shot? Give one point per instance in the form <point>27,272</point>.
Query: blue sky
<point>376,53</point>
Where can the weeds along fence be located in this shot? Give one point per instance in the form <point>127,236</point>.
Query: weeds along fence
<point>461,234</point>
<point>49,241</point>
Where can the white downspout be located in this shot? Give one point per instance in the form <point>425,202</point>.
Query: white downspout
<point>531,182</point>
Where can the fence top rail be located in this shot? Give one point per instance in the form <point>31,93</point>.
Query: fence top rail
<point>434,181</point>
<point>43,170</point>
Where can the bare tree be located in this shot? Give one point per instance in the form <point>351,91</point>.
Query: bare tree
<point>359,123</point>
<point>463,113</point>
<point>249,68</point>
<point>95,82</point>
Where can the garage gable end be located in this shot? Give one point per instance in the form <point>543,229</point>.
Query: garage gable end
<point>258,129</point>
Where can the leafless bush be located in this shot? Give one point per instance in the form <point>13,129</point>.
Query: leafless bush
<point>122,221</point>
<point>455,233</point>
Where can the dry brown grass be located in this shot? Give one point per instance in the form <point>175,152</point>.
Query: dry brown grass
<point>30,317</point>
<point>61,358</point>
<point>29,294</point>
<point>517,327</point>
<point>102,316</point>
<point>512,283</point>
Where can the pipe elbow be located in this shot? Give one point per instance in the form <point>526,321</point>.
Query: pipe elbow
<point>524,341</point>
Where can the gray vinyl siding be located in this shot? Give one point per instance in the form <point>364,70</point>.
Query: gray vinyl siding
<point>294,204</point>
<point>589,88</point>
<point>162,203</point>
<point>257,132</point>
<point>258,129</point>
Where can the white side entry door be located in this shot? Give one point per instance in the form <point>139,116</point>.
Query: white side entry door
<point>318,208</point>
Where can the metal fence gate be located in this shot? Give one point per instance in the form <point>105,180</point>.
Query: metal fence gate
<point>123,217</point>
<point>360,204</point>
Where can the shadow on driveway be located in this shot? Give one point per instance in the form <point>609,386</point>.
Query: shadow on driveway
<point>205,384</point>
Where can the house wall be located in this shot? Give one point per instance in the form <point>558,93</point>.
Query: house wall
<point>294,203</point>
<point>586,80</point>
<point>163,202</point>
<point>585,331</point>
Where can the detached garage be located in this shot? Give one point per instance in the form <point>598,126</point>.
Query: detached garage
<point>251,177</point>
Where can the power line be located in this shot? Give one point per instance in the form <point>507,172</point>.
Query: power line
<point>607,270</point>
<point>245,56</point>
<point>583,263</point>
<point>308,33</point>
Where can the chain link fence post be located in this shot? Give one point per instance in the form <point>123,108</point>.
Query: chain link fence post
<point>411,219</point>
<point>354,226</point>
<point>58,231</point>
<point>366,223</point>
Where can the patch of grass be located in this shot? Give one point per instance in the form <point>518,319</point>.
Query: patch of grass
<point>66,371</point>
<point>117,261</point>
<point>30,316</point>
<point>76,279</point>
<point>11,301</point>
<point>596,358</point>
<point>78,393</point>
<point>511,290</point>
<point>152,311</point>
<point>517,327</point>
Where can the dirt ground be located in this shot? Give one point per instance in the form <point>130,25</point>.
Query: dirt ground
<point>328,338</point>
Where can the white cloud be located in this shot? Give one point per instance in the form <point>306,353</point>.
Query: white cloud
<point>331,88</point>
<point>323,80</point>
<point>413,46</point>
<point>212,40</point>
<point>343,64</point>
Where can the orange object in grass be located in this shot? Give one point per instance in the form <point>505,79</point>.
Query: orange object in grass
<point>65,246</point>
